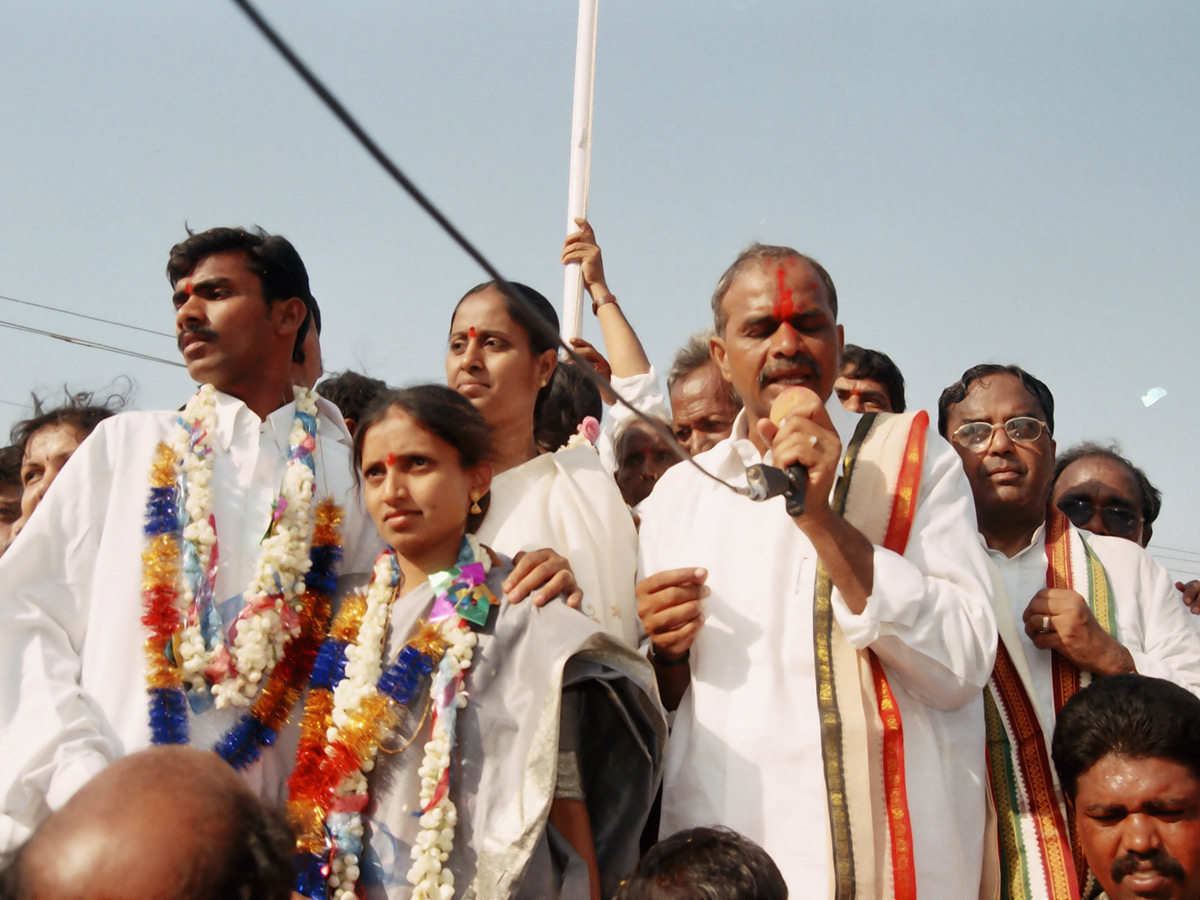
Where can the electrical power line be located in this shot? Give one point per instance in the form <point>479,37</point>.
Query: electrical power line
<point>93,344</point>
<point>1183,559</point>
<point>70,312</point>
<point>1192,553</point>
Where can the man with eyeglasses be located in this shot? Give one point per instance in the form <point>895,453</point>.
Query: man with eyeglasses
<point>1067,609</point>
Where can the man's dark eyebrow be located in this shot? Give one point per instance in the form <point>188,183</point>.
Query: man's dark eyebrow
<point>1105,809</point>
<point>205,284</point>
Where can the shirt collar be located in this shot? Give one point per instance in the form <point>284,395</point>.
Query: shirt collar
<point>233,416</point>
<point>1037,540</point>
<point>739,447</point>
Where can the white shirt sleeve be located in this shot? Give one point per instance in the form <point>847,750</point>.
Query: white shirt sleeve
<point>929,617</point>
<point>51,740</point>
<point>1160,633</point>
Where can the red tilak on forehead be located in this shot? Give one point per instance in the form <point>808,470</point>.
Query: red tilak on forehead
<point>472,333</point>
<point>783,300</point>
<point>186,287</point>
<point>391,459</point>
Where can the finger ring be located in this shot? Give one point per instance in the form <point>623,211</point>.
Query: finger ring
<point>812,439</point>
<point>1045,624</point>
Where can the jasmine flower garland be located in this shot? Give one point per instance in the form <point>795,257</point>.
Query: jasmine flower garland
<point>178,581</point>
<point>355,702</point>
<point>270,615</point>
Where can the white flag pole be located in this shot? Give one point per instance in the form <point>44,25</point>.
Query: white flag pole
<point>581,159</point>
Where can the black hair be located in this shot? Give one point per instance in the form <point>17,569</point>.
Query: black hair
<point>272,258</point>
<point>572,397</point>
<point>351,392</point>
<point>957,392</point>
<point>540,325</point>
<point>859,362</point>
<point>1129,715</point>
<point>443,412</point>
<point>259,865</point>
<point>761,254</point>
<point>705,864</point>
<point>1151,496</point>
<point>10,465</point>
<point>79,411</point>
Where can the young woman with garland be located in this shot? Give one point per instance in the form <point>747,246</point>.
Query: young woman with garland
<point>455,744</point>
<point>499,360</point>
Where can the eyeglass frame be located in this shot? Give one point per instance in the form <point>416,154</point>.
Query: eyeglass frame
<point>983,445</point>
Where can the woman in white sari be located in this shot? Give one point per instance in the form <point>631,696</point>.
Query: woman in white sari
<point>565,501</point>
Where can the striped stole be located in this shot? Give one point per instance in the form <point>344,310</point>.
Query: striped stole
<point>862,736</point>
<point>1039,857</point>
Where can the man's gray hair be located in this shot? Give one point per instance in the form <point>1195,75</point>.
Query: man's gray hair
<point>690,357</point>
<point>762,254</point>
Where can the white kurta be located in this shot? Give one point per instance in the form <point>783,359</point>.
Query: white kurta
<point>567,502</point>
<point>73,697</point>
<point>1155,627</point>
<point>745,750</point>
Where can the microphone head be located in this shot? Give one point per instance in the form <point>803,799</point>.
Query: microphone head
<point>787,400</point>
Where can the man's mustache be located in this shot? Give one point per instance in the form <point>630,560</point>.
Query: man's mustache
<point>1166,865</point>
<point>206,334</point>
<point>788,364</point>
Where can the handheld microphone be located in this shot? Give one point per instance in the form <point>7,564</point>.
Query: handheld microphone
<point>764,482</point>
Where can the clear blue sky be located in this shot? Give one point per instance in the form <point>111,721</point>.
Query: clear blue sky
<point>1008,182</point>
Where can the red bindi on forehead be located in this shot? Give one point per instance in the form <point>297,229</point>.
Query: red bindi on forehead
<point>391,459</point>
<point>472,333</point>
<point>783,308</point>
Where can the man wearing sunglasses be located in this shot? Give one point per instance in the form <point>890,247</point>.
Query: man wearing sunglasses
<point>1067,609</point>
<point>1101,491</point>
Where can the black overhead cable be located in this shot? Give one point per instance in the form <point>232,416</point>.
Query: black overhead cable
<point>377,153</point>
<point>93,344</point>
<point>70,312</point>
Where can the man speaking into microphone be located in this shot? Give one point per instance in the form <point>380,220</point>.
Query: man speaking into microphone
<point>825,666</point>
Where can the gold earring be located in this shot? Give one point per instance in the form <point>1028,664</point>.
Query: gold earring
<point>475,509</point>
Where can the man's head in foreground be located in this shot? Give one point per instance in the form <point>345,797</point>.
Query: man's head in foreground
<point>869,381</point>
<point>703,404</point>
<point>1127,751</point>
<point>705,864</point>
<point>1000,419</point>
<point>243,310</point>
<point>775,325</point>
<point>1101,491</point>
<point>169,823</point>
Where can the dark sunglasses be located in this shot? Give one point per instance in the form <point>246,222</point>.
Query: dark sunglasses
<point>1118,521</point>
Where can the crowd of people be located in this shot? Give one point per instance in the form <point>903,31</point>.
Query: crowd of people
<point>494,638</point>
